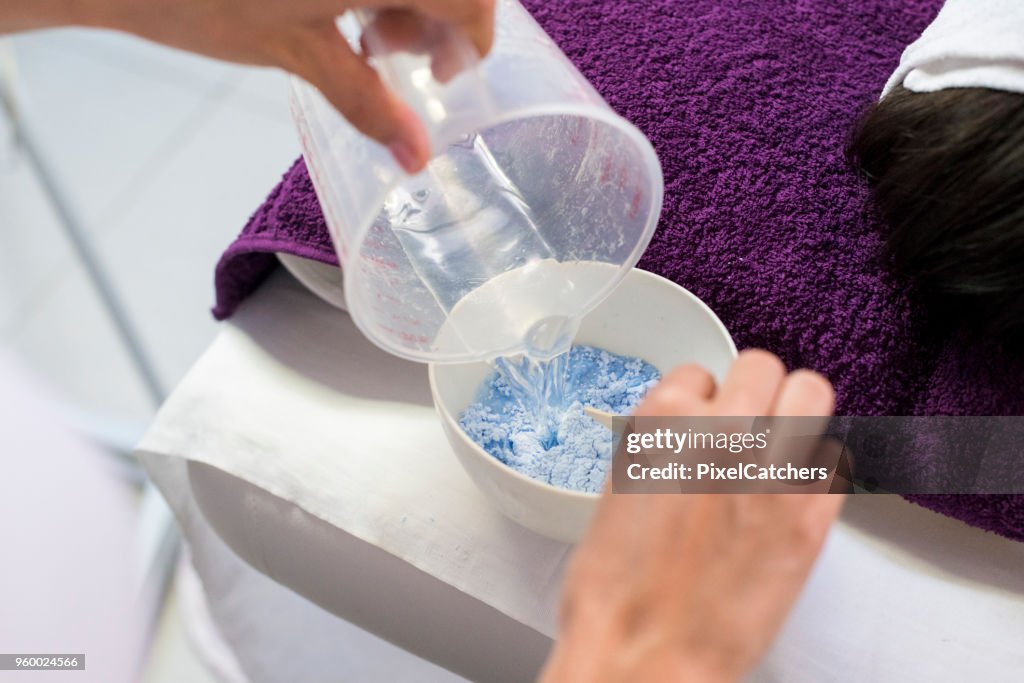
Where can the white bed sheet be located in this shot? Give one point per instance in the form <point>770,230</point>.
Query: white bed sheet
<point>292,399</point>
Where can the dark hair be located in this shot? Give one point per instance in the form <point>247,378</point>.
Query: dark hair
<point>947,174</point>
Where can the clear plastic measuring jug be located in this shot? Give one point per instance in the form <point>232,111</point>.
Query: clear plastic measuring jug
<point>537,202</point>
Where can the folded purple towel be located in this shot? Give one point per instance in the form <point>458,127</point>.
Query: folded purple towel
<point>749,104</point>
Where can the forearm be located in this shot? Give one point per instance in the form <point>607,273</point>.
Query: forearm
<point>27,15</point>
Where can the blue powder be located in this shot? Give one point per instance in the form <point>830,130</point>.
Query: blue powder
<point>580,454</point>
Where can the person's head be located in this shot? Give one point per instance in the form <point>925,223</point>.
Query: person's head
<point>947,172</point>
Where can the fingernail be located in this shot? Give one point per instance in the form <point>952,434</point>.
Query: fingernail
<point>404,155</point>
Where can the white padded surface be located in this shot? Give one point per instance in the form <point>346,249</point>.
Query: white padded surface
<point>291,399</point>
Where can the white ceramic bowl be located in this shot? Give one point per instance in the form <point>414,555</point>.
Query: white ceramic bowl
<point>646,316</point>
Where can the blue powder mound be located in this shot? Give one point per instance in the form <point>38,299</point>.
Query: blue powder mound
<point>580,456</point>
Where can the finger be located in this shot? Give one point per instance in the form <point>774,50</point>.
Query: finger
<point>802,410</point>
<point>690,378</point>
<point>751,385</point>
<point>684,391</point>
<point>787,549</point>
<point>805,393</point>
<point>474,17</point>
<point>395,30</point>
<point>352,86</point>
<point>813,517</point>
<point>447,60</point>
<point>402,30</point>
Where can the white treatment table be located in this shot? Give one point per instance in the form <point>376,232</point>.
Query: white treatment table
<point>295,450</point>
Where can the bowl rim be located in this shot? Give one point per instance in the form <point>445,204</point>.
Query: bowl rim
<point>478,450</point>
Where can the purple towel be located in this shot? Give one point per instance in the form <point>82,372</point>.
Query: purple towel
<point>749,105</point>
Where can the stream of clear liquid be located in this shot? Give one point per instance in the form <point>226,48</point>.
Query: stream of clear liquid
<point>539,387</point>
<point>463,222</point>
<point>537,378</point>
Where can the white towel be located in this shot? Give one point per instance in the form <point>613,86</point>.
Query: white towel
<point>971,44</point>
